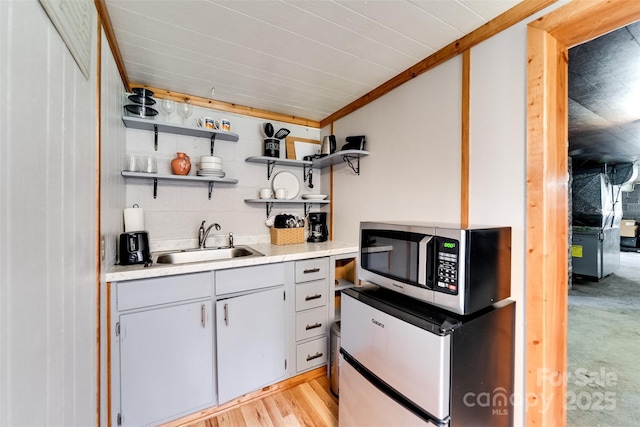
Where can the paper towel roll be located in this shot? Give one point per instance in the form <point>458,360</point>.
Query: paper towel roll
<point>133,219</point>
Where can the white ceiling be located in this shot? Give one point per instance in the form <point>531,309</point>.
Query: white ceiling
<point>301,58</point>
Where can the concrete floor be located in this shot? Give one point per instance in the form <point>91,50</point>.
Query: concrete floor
<point>603,363</point>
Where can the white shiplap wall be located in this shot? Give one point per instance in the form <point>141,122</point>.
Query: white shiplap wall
<point>48,224</point>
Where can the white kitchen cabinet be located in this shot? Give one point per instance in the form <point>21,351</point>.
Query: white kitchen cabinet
<point>166,362</point>
<point>311,326</point>
<point>163,349</point>
<point>251,341</point>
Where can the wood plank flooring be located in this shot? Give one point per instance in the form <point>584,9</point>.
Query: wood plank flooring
<point>308,404</point>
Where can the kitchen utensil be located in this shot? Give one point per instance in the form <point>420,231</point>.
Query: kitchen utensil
<point>142,91</point>
<point>268,130</point>
<point>288,181</point>
<point>310,177</point>
<point>282,133</point>
<point>142,100</point>
<point>140,111</point>
<point>328,145</point>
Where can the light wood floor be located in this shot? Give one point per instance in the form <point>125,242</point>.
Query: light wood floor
<point>308,404</point>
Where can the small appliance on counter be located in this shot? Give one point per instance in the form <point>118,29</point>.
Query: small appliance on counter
<point>134,248</point>
<point>318,231</point>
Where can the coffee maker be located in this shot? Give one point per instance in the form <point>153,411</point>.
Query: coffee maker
<point>318,231</point>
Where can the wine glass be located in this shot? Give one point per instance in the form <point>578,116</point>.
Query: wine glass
<point>168,106</point>
<point>185,111</point>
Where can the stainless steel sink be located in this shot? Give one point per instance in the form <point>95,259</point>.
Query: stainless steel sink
<point>203,255</point>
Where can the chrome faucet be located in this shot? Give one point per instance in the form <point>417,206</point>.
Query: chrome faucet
<point>202,233</point>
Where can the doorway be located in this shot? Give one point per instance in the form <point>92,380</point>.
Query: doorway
<point>548,39</point>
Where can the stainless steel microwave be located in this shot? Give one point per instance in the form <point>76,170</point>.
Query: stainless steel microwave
<point>461,270</point>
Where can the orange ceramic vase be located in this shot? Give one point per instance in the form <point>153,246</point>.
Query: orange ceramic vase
<point>181,165</point>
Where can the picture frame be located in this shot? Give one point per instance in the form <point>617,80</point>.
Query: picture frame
<point>305,147</point>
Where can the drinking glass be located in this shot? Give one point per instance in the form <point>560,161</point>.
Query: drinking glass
<point>168,106</point>
<point>185,110</point>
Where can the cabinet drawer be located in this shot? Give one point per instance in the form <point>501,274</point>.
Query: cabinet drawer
<point>162,290</point>
<point>249,278</point>
<point>311,295</point>
<point>311,269</point>
<point>311,354</point>
<point>311,323</point>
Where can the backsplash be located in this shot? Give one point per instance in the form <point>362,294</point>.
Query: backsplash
<point>173,218</point>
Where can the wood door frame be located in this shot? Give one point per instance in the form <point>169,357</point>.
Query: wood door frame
<point>548,40</point>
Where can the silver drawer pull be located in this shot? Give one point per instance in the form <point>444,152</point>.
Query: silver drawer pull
<point>312,297</point>
<point>203,315</point>
<point>314,326</point>
<point>312,270</point>
<point>315,356</point>
<point>226,314</point>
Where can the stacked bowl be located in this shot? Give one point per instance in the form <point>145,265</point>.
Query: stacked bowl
<point>142,102</point>
<point>211,166</point>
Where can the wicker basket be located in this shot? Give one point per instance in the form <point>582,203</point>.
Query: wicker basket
<point>287,236</point>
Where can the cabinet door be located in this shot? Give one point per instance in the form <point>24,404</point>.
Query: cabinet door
<point>166,362</point>
<point>250,341</point>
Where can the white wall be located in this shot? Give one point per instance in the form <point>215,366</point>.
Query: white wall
<point>497,172</point>
<point>413,135</point>
<point>413,170</point>
<point>48,224</point>
<point>175,215</point>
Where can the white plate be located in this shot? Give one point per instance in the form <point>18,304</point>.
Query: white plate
<point>314,196</point>
<point>288,181</point>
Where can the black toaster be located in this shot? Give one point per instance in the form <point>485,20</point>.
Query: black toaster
<point>134,248</point>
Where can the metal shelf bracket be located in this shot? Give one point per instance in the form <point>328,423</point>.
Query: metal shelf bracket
<point>270,166</point>
<point>155,137</point>
<point>269,208</point>
<point>210,189</point>
<point>213,141</point>
<point>354,168</point>
<point>305,174</point>
<point>155,188</point>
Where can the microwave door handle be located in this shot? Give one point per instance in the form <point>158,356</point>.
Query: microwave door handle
<point>423,259</point>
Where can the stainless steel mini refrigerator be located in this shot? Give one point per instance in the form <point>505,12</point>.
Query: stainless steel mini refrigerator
<point>408,363</point>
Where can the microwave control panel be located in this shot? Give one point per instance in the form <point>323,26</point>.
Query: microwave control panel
<point>447,265</point>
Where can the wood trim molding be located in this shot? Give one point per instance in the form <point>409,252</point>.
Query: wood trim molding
<point>98,234</point>
<point>105,20</point>
<point>464,149</point>
<point>230,108</point>
<point>548,39</point>
<point>512,16</point>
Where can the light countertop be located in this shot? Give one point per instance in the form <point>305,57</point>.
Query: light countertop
<point>272,253</point>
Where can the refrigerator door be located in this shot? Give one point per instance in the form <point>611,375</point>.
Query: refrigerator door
<point>411,360</point>
<point>362,404</point>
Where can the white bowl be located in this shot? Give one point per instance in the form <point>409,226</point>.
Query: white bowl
<point>314,196</point>
<point>210,159</point>
<point>210,166</point>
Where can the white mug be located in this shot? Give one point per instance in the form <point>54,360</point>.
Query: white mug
<point>222,124</point>
<point>266,193</point>
<point>205,122</point>
<point>281,193</point>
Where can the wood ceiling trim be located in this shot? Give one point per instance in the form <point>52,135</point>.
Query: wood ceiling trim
<point>105,20</point>
<point>512,16</point>
<point>230,108</point>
